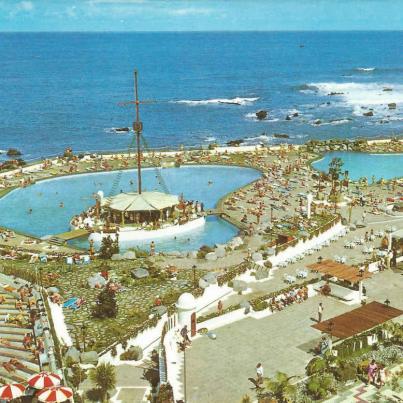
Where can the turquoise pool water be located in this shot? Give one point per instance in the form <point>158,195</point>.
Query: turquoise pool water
<point>204,183</point>
<point>360,165</point>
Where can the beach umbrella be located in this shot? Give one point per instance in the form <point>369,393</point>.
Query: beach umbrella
<point>11,391</point>
<point>55,394</point>
<point>44,380</point>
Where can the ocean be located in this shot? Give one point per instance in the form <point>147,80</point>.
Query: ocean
<point>65,89</point>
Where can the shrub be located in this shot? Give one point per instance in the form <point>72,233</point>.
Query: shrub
<point>134,353</point>
<point>106,306</point>
<point>315,366</point>
<point>320,385</point>
<point>345,371</point>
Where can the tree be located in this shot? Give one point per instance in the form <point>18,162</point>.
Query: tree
<point>108,247</point>
<point>106,305</point>
<point>104,378</point>
<point>335,171</point>
<point>279,387</point>
<point>77,376</point>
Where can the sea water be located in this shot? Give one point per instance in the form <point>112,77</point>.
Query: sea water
<point>65,89</point>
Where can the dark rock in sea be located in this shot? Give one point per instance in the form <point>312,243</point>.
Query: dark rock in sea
<point>328,103</point>
<point>235,143</point>
<point>288,117</point>
<point>281,136</point>
<point>13,152</point>
<point>121,129</point>
<point>370,113</point>
<point>317,122</point>
<point>261,115</point>
<point>295,114</point>
<point>392,105</point>
<point>336,93</point>
<point>386,89</point>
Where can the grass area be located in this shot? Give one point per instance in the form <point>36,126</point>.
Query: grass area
<point>134,303</point>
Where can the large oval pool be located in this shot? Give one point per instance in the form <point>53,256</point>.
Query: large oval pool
<point>359,165</point>
<point>204,183</point>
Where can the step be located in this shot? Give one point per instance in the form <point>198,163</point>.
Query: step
<point>9,328</point>
<point>10,305</point>
<point>25,354</point>
<point>12,311</point>
<point>7,376</point>
<point>14,375</point>
<point>16,338</point>
<point>56,241</point>
<point>13,346</point>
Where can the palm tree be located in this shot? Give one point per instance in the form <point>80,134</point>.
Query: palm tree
<point>104,378</point>
<point>280,387</point>
<point>335,171</point>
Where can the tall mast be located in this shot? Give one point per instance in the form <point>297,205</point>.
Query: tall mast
<point>137,127</point>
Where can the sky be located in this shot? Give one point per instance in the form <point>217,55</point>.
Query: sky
<point>200,15</point>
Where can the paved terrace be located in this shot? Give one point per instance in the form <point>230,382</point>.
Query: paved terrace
<point>218,370</point>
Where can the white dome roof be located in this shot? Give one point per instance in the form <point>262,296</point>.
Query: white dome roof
<point>186,301</point>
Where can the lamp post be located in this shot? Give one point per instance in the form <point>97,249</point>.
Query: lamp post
<point>330,327</point>
<point>83,329</point>
<point>194,275</point>
<point>184,374</point>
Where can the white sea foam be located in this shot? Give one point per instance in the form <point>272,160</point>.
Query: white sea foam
<point>363,93</point>
<point>363,96</point>
<point>228,101</point>
<point>264,138</point>
<point>365,68</point>
<point>210,139</point>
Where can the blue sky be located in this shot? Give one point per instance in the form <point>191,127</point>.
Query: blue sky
<point>199,15</point>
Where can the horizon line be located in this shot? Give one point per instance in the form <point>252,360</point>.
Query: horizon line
<point>201,31</point>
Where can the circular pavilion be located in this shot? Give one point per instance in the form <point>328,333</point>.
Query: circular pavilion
<point>139,208</point>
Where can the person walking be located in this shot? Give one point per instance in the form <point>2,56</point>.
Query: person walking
<point>364,216</point>
<point>320,312</point>
<point>220,307</point>
<point>152,248</point>
<point>259,373</point>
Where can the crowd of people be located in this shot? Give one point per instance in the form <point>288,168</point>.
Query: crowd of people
<point>295,295</point>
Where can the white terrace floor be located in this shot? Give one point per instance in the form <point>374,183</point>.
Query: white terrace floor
<point>217,371</point>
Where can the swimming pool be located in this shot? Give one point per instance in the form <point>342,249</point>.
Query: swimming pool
<point>204,183</point>
<point>359,165</point>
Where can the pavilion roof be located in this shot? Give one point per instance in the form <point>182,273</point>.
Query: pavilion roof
<point>358,320</point>
<point>145,201</point>
<point>339,270</point>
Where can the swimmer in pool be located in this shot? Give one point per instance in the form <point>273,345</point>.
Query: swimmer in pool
<point>210,183</point>
<point>30,211</point>
<point>61,205</point>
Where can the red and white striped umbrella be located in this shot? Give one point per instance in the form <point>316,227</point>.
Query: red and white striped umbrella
<point>11,391</point>
<point>55,394</point>
<point>44,380</point>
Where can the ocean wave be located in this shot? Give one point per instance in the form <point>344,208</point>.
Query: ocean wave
<point>218,101</point>
<point>263,138</point>
<point>332,122</point>
<point>365,69</point>
<point>210,139</point>
<point>364,97</point>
